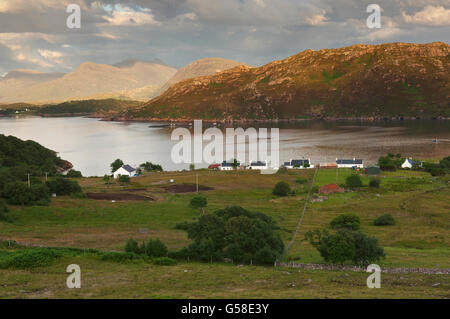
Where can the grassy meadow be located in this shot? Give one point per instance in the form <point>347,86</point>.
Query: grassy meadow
<point>420,239</point>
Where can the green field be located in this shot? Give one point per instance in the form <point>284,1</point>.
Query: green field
<point>420,204</point>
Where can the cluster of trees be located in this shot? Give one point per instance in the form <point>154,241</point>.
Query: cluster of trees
<point>391,162</point>
<point>23,157</point>
<point>147,166</point>
<point>151,247</point>
<point>347,244</point>
<point>233,233</point>
<point>38,193</point>
<point>438,169</point>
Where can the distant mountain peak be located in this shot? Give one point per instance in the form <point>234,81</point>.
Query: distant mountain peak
<point>130,62</point>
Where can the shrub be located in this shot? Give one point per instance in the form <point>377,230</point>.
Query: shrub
<point>353,181</point>
<point>281,189</point>
<point>345,221</point>
<point>5,216</point>
<point>28,258</point>
<point>124,179</point>
<point>199,202</point>
<point>132,246</point>
<point>384,220</point>
<point>437,172</point>
<point>154,248</point>
<point>120,257</point>
<point>61,186</point>
<point>150,167</point>
<point>346,245</point>
<point>164,261</point>
<point>20,194</point>
<point>74,174</point>
<point>375,182</point>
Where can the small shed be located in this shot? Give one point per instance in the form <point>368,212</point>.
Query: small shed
<point>373,170</point>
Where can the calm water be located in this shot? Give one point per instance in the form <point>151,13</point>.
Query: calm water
<point>91,145</point>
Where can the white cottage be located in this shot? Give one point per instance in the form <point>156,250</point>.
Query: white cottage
<point>125,170</point>
<point>409,163</point>
<point>258,165</point>
<point>349,163</point>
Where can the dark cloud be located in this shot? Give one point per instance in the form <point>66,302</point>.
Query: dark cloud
<point>179,31</point>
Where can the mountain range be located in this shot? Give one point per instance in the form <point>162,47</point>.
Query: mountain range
<point>131,79</point>
<point>387,80</point>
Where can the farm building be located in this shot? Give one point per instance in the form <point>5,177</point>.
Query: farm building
<point>409,163</point>
<point>373,170</point>
<point>299,163</point>
<point>125,170</point>
<point>349,163</point>
<point>228,165</point>
<point>258,165</point>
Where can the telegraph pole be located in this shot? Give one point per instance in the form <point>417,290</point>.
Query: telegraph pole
<point>29,183</point>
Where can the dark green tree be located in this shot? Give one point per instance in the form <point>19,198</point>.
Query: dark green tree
<point>116,165</point>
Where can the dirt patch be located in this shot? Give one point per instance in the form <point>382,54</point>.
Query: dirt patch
<point>117,196</point>
<point>186,188</point>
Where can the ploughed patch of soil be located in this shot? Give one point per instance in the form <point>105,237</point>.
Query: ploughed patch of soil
<point>186,188</point>
<point>117,196</point>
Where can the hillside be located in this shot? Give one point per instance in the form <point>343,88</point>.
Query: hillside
<point>85,107</point>
<point>20,157</point>
<point>91,80</point>
<point>394,79</point>
<point>201,67</point>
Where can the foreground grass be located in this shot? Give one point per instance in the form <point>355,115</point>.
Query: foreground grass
<point>100,279</point>
<point>419,203</point>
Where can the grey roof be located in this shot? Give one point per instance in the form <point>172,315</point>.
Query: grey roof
<point>413,162</point>
<point>257,163</point>
<point>349,161</point>
<point>299,162</point>
<point>229,164</point>
<point>128,168</point>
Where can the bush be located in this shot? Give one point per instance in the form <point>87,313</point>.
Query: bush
<point>61,186</point>
<point>5,216</point>
<point>124,179</point>
<point>24,259</point>
<point>346,245</point>
<point>265,256</point>
<point>346,221</point>
<point>164,261</point>
<point>132,246</point>
<point>437,172</point>
<point>375,182</point>
<point>301,180</point>
<point>74,174</point>
<point>120,257</point>
<point>281,189</point>
<point>384,220</point>
<point>353,181</point>
<point>199,202</point>
<point>154,248</point>
<point>20,194</point>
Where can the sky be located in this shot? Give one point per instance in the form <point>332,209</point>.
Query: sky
<point>34,34</point>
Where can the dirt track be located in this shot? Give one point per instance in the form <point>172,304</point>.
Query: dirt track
<point>117,196</point>
<point>186,188</point>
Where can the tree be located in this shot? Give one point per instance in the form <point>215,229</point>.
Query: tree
<point>74,174</point>
<point>18,193</point>
<point>384,220</point>
<point>154,248</point>
<point>150,167</point>
<point>346,245</point>
<point>235,164</point>
<point>199,202</point>
<point>233,233</point>
<point>132,246</point>
<point>281,189</point>
<point>345,221</point>
<point>116,165</point>
<point>375,182</point>
<point>124,179</point>
<point>61,186</point>
<point>191,167</point>
<point>353,181</point>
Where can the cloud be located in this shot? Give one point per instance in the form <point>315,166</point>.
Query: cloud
<point>430,15</point>
<point>125,16</point>
<point>53,56</point>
